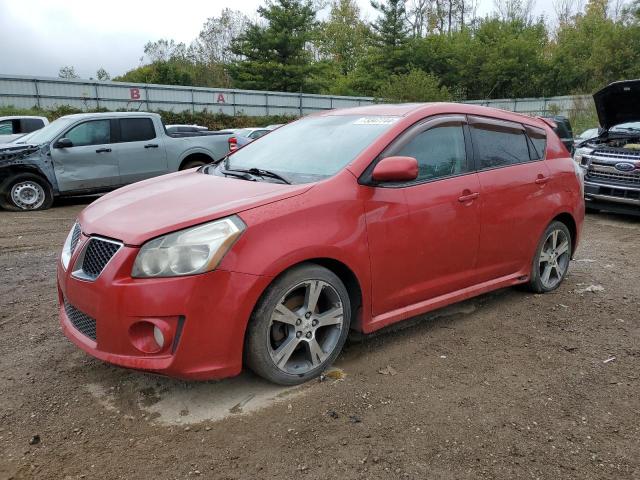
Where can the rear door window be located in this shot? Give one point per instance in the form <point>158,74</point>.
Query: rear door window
<point>94,132</point>
<point>136,129</point>
<point>498,143</point>
<point>440,152</point>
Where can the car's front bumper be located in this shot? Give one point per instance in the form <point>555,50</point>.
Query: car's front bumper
<point>613,197</point>
<point>206,314</point>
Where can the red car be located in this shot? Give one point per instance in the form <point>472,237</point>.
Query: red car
<point>349,219</point>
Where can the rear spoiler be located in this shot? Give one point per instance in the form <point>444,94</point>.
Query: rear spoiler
<point>548,121</point>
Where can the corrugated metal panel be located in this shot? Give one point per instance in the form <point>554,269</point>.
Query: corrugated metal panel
<point>26,92</point>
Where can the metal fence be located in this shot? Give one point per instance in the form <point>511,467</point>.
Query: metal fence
<point>49,93</point>
<point>538,106</point>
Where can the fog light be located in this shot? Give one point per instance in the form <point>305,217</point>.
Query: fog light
<point>158,336</point>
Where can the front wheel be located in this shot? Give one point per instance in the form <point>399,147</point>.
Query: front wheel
<point>299,326</point>
<point>552,258</point>
<point>25,191</point>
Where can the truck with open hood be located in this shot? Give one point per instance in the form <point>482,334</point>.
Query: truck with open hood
<point>611,160</point>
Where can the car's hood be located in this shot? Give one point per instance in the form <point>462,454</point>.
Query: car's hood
<point>618,103</point>
<point>144,210</point>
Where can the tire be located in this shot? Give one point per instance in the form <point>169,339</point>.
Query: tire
<point>192,164</point>
<point>25,191</point>
<point>551,260</point>
<point>291,338</point>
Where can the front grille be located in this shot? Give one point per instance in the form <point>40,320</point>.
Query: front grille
<point>75,236</point>
<point>617,153</point>
<point>97,254</point>
<point>631,178</point>
<point>83,322</point>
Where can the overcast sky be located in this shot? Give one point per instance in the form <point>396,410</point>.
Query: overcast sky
<point>37,37</point>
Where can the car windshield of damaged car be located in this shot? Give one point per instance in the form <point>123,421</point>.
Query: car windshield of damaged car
<point>48,133</point>
<point>305,151</point>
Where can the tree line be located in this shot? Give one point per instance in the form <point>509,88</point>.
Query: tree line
<point>413,50</point>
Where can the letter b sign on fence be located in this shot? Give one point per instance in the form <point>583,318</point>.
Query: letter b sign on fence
<point>134,93</point>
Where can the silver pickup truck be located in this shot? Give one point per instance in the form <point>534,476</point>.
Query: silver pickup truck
<point>97,152</point>
<point>611,160</point>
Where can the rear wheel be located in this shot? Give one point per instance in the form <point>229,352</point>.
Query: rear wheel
<point>299,326</point>
<point>552,258</point>
<point>25,191</point>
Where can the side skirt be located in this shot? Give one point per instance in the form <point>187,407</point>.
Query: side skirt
<point>425,306</point>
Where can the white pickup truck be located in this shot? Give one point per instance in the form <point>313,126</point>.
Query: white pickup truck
<point>14,127</point>
<point>97,152</point>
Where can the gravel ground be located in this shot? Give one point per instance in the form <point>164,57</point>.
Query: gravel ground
<point>508,385</point>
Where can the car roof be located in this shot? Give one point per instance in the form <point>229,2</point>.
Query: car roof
<point>19,117</point>
<point>426,109</point>
<point>81,116</point>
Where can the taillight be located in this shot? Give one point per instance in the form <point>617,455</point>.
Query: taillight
<point>233,144</point>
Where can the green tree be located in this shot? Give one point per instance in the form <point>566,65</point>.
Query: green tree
<point>102,74</point>
<point>273,54</point>
<point>343,37</point>
<point>391,37</point>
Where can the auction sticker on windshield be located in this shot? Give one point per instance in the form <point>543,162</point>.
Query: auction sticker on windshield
<point>376,120</point>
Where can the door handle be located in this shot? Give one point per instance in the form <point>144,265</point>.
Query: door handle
<point>469,197</point>
<point>151,145</point>
<point>541,180</point>
<point>103,150</point>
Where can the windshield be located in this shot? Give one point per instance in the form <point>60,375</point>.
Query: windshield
<point>628,126</point>
<point>48,133</point>
<point>312,148</point>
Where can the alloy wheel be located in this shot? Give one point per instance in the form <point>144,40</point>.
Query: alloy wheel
<point>554,259</point>
<point>305,327</point>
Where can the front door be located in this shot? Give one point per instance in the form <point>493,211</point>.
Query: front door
<point>91,160</point>
<point>423,235</point>
<point>141,153</point>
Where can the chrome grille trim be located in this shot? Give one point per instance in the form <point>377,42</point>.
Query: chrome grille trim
<point>94,257</point>
<point>75,236</point>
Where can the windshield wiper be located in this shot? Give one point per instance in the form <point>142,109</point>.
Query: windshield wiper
<point>261,172</point>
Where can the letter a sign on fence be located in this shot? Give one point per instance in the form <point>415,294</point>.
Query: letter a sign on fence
<point>134,93</point>
<point>221,98</point>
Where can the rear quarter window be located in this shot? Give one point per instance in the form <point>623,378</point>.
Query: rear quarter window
<point>538,139</point>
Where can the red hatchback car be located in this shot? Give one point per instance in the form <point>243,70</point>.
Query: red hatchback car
<point>349,219</point>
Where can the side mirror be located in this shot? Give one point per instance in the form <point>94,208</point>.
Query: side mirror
<point>63,143</point>
<point>396,169</point>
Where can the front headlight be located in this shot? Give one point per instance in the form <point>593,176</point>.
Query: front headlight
<point>193,250</point>
<point>69,245</point>
<point>580,154</point>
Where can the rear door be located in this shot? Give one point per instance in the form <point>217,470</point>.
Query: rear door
<point>514,192</point>
<point>424,234</point>
<point>140,151</point>
<point>91,162</point>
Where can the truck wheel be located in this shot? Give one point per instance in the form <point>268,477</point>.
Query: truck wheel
<point>551,261</point>
<point>25,191</point>
<point>299,326</point>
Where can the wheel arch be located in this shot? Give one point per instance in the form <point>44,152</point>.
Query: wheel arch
<point>343,271</point>
<point>567,219</point>
<point>196,156</point>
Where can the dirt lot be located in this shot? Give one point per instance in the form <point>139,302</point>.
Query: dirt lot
<point>510,385</point>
